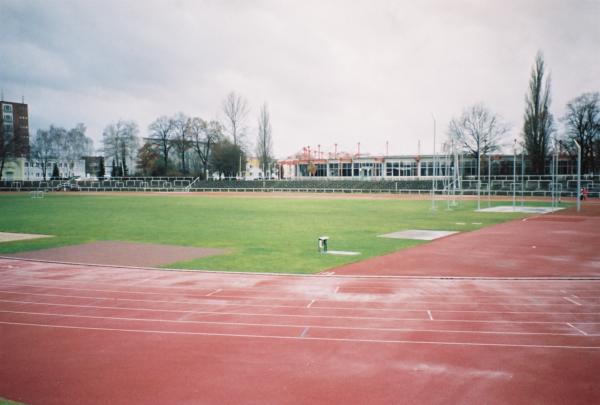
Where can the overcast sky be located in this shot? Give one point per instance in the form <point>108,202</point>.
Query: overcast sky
<point>331,71</point>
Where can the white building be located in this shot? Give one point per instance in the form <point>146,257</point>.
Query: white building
<point>22,169</point>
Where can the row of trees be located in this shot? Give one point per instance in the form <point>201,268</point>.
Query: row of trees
<point>478,131</point>
<point>181,144</point>
<point>176,145</point>
<point>57,143</point>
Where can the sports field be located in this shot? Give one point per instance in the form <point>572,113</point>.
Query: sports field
<point>258,233</point>
<point>507,313</point>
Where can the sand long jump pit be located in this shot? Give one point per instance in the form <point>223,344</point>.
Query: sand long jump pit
<point>120,254</point>
<point>10,236</point>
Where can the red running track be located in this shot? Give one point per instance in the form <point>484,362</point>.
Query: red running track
<point>95,335</point>
<point>563,244</point>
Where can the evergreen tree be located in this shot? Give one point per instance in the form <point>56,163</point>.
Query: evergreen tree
<point>101,169</point>
<point>55,172</point>
<point>539,122</point>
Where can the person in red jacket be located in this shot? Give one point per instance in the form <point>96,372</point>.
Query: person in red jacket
<point>583,193</point>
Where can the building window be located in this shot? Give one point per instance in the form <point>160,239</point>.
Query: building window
<point>392,169</point>
<point>408,169</point>
<point>426,168</point>
<point>321,170</point>
<point>346,169</point>
<point>334,169</point>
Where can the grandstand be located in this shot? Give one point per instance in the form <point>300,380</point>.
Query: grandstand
<point>528,186</point>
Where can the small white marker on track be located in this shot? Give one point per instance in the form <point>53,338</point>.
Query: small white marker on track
<point>310,305</point>
<point>337,289</point>
<point>304,332</point>
<point>572,301</point>
<point>214,292</point>
<point>577,329</point>
<point>430,316</point>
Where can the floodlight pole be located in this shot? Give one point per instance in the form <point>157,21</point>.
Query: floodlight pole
<point>514,174</point>
<point>556,171</point>
<point>489,180</point>
<point>478,179</point>
<point>433,183</point>
<point>578,176</point>
<point>522,177</point>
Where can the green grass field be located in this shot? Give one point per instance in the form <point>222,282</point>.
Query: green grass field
<point>270,234</point>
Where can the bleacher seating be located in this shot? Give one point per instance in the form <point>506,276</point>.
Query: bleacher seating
<point>500,185</point>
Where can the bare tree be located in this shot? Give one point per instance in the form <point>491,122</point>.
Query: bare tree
<point>477,131</point>
<point>181,138</point>
<point>161,135</point>
<point>204,136</point>
<point>57,143</point>
<point>264,142</point>
<point>74,145</point>
<point>120,141</point>
<point>6,144</point>
<point>582,124</point>
<point>539,122</point>
<point>44,149</point>
<point>235,109</point>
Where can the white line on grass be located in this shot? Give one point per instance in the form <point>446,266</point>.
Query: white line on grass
<point>423,342</point>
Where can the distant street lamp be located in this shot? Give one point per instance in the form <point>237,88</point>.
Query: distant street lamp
<point>578,176</point>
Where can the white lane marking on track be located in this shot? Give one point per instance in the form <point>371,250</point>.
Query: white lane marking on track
<point>337,289</point>
<point>140,281</point>
<point>282,325</point>
<point>365,285</point>
<point>304,332</point>
<point>424,342</point>
<point>302,316</point>
<point>310,304</point>
<point>577,329</point>
<point>294,306</point>
<point>235,303</point>
<point>97,290</point>
<point>572,301</point>
<point>430,316</point>
<point>213,292</point>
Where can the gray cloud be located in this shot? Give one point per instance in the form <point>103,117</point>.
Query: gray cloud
<point>331,71</point>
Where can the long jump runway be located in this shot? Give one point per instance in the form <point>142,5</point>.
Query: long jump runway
<point>74,334</point>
